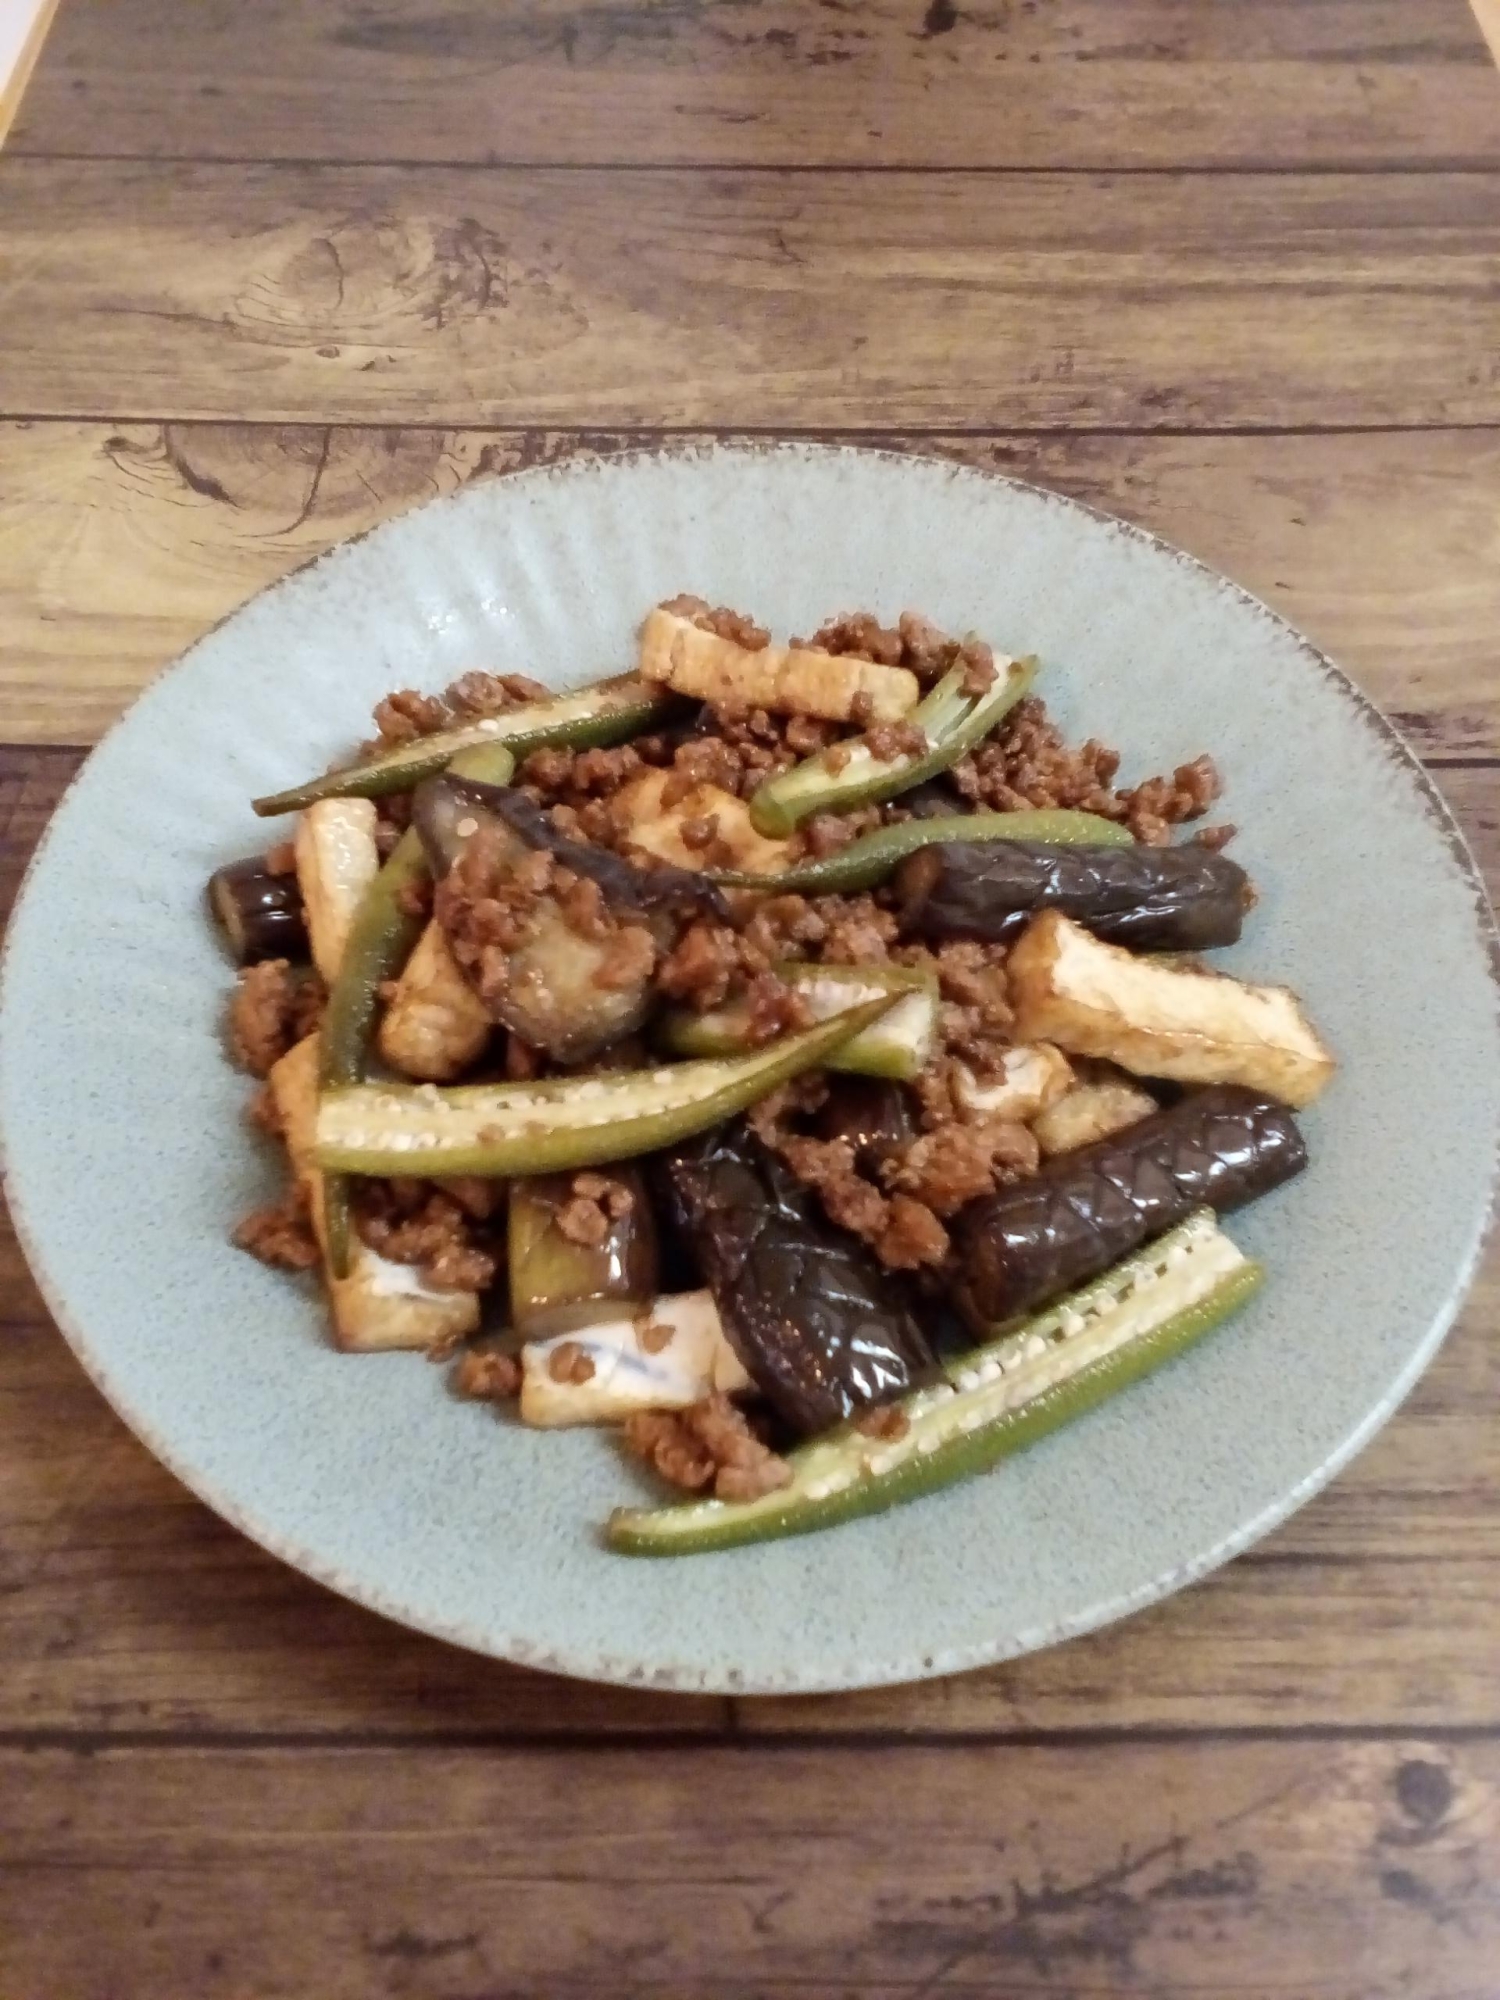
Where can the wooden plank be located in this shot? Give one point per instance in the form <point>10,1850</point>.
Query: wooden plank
<point>126,1605</point>
<point>456,295</point>
<point>773,83</point>
<point>1349,1870</point>
<point>1488,15</point>
<point>121,544</point>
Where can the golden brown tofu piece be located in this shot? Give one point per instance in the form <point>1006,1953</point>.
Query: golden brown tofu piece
<point>1031,1077</point>
<point>379,1304</point>
<point>436,1024</point>
<point>337,860</point>
<point>788,680</point>
<point>638,812</point>
<point>1096,999</point>
<point>1090,1111</point>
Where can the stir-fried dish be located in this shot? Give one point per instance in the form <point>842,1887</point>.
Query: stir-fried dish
<point>796,1056</point>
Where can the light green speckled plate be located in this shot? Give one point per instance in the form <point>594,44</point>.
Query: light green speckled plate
<point>127,1162</point>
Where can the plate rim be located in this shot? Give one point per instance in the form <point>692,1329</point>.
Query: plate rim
<point>602,1669</point>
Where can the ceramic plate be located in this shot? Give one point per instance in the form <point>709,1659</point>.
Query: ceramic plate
<point>128,1164</point>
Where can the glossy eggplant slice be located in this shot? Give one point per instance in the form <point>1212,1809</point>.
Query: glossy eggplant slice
<point>872,1113</point>
<point>1085,1210</point>
<point>558,1283</point>
<point>445,807</point>
<point>819,1330</point>
<point>1150,898</point>
<point>563,993</point>
<point>260,913</point>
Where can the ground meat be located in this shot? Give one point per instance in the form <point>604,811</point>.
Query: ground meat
<point>570,1364</point>
<point>1214,837</point>
<point>271,1009</point>
<point>281,1233</point>
<point>478,694</point>
<point>406,715</point>
<point>1027,763</point>
<point>596,1202</point>
<point>523,1063</point>
<point>627,960</point>
<point>487,1376</point>
<point>778,925</point>
<point>916,643</point>
<point>484,904</point>
<point>913,1236</point>
<point>414,898</point>
<point>581,901</point>
<point>709,1444</point>
<point>975,1016</point>
<point>413,1222</point>
<point>773,1008</point>
<point>702,966</point>
<point>956,1164</point>
<point>723,623</point>
<point>889,740</point>
<point>830,833</point>
<point>859,932</point>
<point>861,635</point>
<point>653,1336</point>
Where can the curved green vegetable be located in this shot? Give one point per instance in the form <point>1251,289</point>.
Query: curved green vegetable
<point>848,775</point>
<point>609,712</point>
<point>899,1045</point>
<point>866,862</point>
<point>996,1400</point>
<point>503,1130</point>
<point>380,940</point>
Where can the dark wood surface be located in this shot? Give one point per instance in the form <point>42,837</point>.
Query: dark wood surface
<point>271,272</point>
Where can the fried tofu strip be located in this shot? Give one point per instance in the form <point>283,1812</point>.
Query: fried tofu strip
<point>669,1356</point>
<point>1096,999</point>
<point>1091,1111</point>
<point>789,680</point>
<point>1031,1077</point>
<point>642,819</point>
<point>436,1024</point>
<point>337,860</point>
<point>380,1304</point>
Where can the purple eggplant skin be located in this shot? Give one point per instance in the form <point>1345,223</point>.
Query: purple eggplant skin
<point>873,1113</point>
<point>260,913</point>
<point>806,1308</point>
<point>1215,1148</point>
<point>441,805</point>
<point>1150,898</point>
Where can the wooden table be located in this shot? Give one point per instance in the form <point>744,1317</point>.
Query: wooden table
<point>271,272</point>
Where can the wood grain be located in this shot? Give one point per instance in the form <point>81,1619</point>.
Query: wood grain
<point>1345,1870</point>
<point>449,295</point>
<point>1075,83</point>
<point>121,544</point>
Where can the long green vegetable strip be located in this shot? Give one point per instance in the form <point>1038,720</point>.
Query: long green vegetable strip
<point>380,941</point>
<point>849,775</point>
<point>609,712</point>
<point>866,862</point>
<point>1017,1388</point>
<point>505,1130</point>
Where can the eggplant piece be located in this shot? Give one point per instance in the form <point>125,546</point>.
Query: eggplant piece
<point>873,1114</point>
<point>555,997</point>
<point>558,1284</point>
<point>260,913</point>
<point>1085,1210</point>
<point>443,807</point>
<point>819,1331</point>
<point>1150,898</point>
